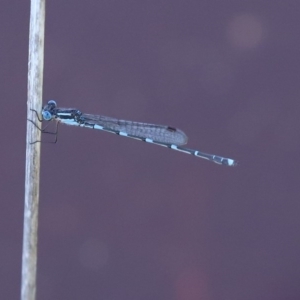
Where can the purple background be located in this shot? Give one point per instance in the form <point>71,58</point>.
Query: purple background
<point>120,219</point>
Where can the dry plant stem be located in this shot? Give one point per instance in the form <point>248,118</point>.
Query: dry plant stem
<point>32,171</point>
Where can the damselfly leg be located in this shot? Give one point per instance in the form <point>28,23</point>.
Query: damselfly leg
<point>43,130</point>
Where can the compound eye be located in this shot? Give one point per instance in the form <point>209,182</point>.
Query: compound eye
<point>47,115</point>
<point>52,103</point>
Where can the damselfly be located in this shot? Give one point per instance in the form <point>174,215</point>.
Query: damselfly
<point>161,135</point>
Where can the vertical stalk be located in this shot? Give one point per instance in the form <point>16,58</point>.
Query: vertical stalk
<point>32,171</point>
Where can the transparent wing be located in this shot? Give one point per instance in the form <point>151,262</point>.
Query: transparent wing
<point>158,133</point>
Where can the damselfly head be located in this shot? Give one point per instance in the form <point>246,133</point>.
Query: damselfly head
<point>47,111</point>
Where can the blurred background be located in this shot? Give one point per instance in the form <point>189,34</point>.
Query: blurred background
<point>121,219</point>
